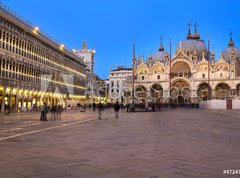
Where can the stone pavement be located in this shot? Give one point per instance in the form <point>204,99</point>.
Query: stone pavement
<point>177,143</point>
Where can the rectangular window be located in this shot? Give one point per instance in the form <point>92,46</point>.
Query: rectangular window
<point>142,77</point>
<point>158,77</point>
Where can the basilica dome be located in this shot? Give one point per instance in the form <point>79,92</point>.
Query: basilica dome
<point>231,52</point>
<point>192,46</point>
<point>160,55</point>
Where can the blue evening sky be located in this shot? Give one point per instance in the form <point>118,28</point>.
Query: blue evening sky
<point>110,26</point>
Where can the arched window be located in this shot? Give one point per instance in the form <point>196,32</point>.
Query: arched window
<point>203,75</point>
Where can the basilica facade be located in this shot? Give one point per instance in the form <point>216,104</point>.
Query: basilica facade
<point>193,73</point>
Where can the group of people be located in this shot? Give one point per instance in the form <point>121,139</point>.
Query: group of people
<point>100,106</point>
<point>56,112</point>
<point>143,107</point>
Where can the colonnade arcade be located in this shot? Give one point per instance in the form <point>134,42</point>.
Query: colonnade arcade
<point>183,91</point>
<point>20,99</point>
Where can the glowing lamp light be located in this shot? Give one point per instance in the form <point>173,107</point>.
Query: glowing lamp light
<point>62,46</point>
<point>35,30</point>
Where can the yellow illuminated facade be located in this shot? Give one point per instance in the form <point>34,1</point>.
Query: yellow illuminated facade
<point>34,68</point>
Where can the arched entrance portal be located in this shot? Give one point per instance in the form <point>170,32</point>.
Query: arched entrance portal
<point>141,94</point>
<point>238,90</point>
<point>222,91</point>
<point>180,92</point>
<point>204,92</point>
<point>156,92</point>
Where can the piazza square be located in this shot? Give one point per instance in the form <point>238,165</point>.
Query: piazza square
<point>119,89</point>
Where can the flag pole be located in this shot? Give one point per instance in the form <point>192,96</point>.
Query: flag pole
<point>133,72</point>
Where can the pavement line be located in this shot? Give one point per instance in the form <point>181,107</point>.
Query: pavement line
<point>227,114</point>
<point>9,130</point>
<point>41,130</point>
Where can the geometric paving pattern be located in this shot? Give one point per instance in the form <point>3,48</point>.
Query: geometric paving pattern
<point>177,143</point>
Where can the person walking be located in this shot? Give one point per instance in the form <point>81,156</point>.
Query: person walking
<point>116,109</point>
<point>94,106</point>
<point>100,108</point>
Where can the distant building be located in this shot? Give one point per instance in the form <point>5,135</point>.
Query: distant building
<point>94,84</point>
<point>118,84</point>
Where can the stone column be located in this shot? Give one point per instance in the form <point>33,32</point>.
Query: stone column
<point>213,94</point>
<point>10,100</point>
<point>3,101</point>
<point>27,103</point>
<point>16,103</point>
<point>22,102</point>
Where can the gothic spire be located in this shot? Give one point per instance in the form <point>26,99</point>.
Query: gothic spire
<point>231,42</point>
<point>161,45</point>
<point>189,35</point>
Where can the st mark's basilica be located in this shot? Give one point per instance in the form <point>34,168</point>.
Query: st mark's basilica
<point>191,75</point>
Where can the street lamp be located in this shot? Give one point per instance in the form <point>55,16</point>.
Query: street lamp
<point>61,46</point>
<point>35,30</point>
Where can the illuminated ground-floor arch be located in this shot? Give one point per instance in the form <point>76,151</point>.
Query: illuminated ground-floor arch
<point>187,90</point>
<point>26,98</point>
<point>204,91</point>
<point>141,94</point>
<point>180,92</point>
<point>238,90</point>
<point>156,93</point>
<point>222,91</point>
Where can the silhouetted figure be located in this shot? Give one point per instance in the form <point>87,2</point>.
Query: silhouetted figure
<point>153,107</point>
<point>128,107</point>
<point>44,112</point>
<point>116,109</point>
<point>94,106</point>
<point>100,108</point>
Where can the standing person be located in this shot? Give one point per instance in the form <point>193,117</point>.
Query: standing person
<point>44,112</point>
<point>127,107</point>
<point>116,109</point>
<point>60,110</point>
<point>54,115</point>
<point>42,117</point>
<point>146,106</point>
<point>100,108</point>
<point>94,106</point>
<point>5,108</point>
<point>153,107</point>
<point>84,107</point>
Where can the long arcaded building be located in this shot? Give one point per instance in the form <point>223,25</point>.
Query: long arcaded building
<point>34,68</point>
